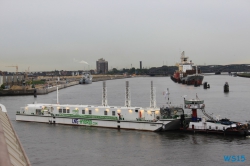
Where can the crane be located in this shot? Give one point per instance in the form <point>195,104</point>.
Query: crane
<point>15,67</point>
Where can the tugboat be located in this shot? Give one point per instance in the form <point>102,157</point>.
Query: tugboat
<point>207,124</point>
<point>186,73</point>
<point>174,112</point>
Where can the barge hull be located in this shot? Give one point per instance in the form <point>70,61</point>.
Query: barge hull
<point>119,124</point>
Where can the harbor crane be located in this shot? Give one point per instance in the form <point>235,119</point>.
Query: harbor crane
<point>15,67</point>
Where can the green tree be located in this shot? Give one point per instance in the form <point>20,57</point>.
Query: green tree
<point>2,86</point>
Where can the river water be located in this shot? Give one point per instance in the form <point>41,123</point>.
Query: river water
<point>62,145</point>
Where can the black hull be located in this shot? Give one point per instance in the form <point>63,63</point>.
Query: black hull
<point>189,80</point>
<point>242,133</point>
<point>175,124</point>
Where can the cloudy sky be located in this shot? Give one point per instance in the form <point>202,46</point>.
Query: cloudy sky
<point>46,35</point>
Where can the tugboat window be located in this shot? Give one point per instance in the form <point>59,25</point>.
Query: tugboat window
<point>90,112</point>
<point>83,111</point>
<point>105,112</point>
<point>38,111</point>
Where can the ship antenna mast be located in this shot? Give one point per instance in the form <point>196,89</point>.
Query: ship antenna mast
<point>57,99</point>
<point>166,94</point>
<point>127,95</point>
<point>104,94</point>
<point>152,96</point>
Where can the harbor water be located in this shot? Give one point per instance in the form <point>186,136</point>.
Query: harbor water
<point>63,145</point>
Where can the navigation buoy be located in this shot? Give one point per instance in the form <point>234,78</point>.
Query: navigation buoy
<point>208,86</point>
<point>226,87</point>
<point>205,85</point>
<point>34,92</point>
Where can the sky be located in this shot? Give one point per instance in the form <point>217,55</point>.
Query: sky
<point>46,35</point>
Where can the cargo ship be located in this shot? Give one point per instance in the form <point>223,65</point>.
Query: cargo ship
<point>187,73</point>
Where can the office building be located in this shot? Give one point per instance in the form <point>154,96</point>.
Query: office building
<point>101,66</point>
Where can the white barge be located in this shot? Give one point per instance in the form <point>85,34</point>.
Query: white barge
<point>125,117</point>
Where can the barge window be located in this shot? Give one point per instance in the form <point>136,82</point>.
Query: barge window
<point>64,110</point>
<point>105,112</point>
<point>83,111</point>
<point>90,112</point>
<point>113,113</point>
<point>60,110</point>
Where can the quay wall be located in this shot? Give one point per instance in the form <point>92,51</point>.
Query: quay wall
<point>42,91</point>
<point>69,81</point>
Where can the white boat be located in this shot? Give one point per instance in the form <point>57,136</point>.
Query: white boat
<point>86,78</point>
<point>121,117</point>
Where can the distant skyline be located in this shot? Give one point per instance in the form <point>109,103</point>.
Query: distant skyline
<point>72,35</point>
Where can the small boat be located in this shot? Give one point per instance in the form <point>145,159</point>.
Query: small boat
<point>208,124</point>
<point>121,117</point>
<point>187,73</point>
<point>86,78</point>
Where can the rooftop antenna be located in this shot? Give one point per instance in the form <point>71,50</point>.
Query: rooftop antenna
<point>127,95</point>
<point>104,94</point>
<point>152,96</point>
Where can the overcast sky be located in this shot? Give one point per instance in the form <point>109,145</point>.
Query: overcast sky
<point>50,35</point>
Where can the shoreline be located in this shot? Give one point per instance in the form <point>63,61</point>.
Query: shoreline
<point>43,90</point>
